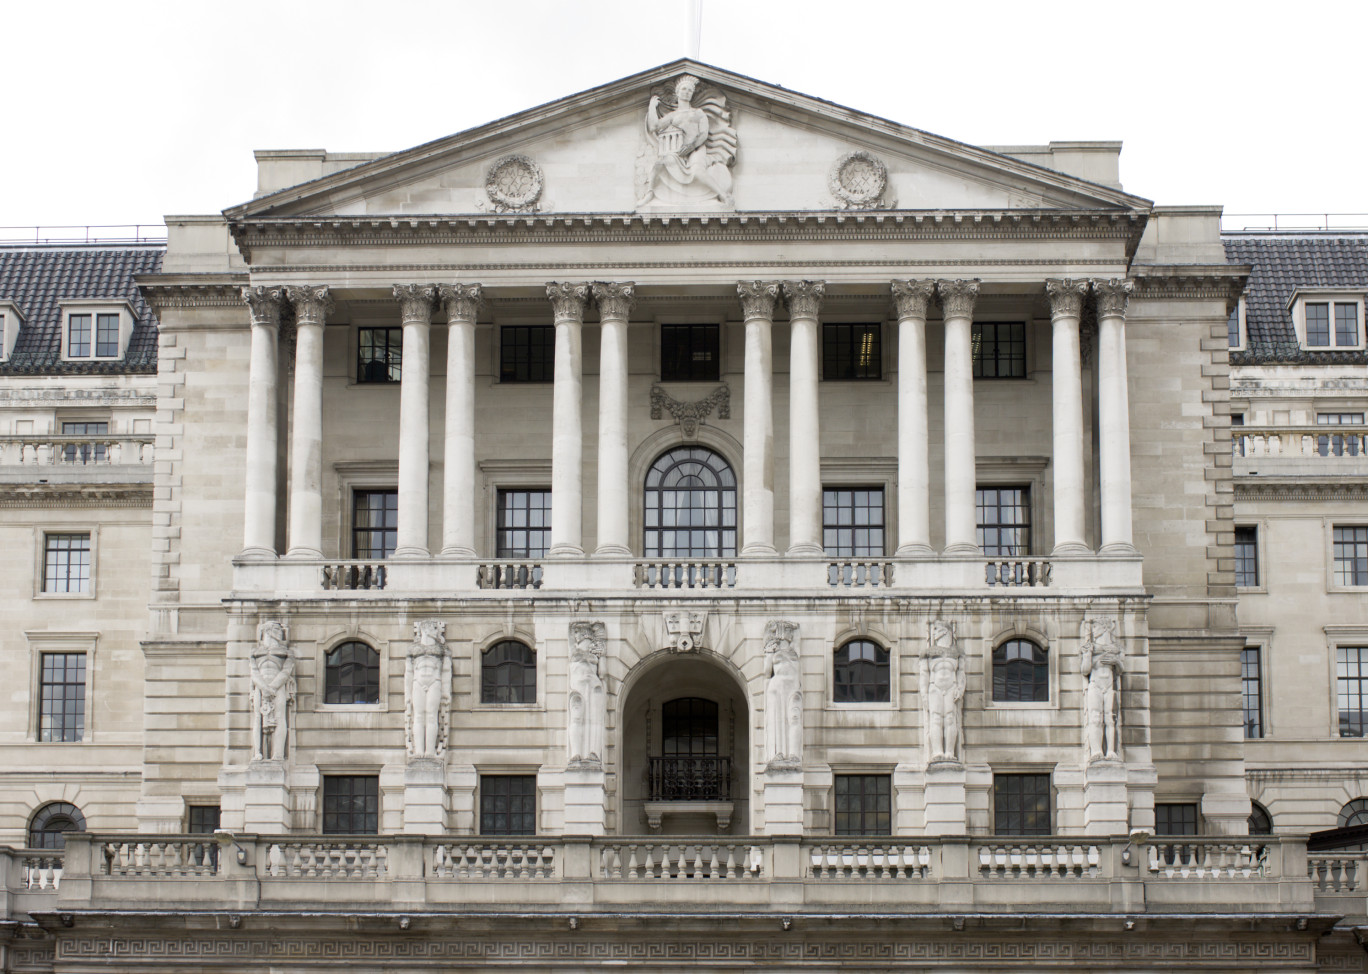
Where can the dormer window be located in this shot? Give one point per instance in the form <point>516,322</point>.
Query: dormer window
<point>1235,326</point>
<point>94,331</point>
<point>1328,321</point>
<point>10,322</point>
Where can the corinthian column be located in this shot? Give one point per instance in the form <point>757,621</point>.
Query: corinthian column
<point>804,300</point>
<point>757,468</point>
<point>462,303</point>
<point>1113,415</point>
<point>914,476</point>
<point>312,306</point>
<point>957,303</point>
<point>614,304</point>
<point>415,303</point>
<point>258,529</point>
<point>567,429</point>
<point>1066,308</point>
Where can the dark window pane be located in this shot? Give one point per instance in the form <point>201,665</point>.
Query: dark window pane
<point>351,804</point>
<point>1351,679</point>
<point>508,673</point>
<point>1346,324</point>
<point>78,336</point>
<point>864,804</point>
<point>1260,822</point>
<point>203,819</point>
<point>66,563</point>
<point>689,353</point>
<point>1233,328</point>
<point>379,354</point>
<point>375,523</point>
<point>852,351</point>
<point>1004,521</point>
<point>48,824</point>
<point>1021,804</point>
<point>106,335</point>
<point>1354,813</point>
<point>999,350</point>
<point>860,673</point>
<point>84,452</point>
<point>527,353</point>
<point>689,727</point>
<point>1251,680</point>
<point>1021,672</point>
<point>1351,555</point>
<point>690,501</point>
<point>853,522</point>
<point>1247,556</point>
<point>524,523</point>
<point>61,697</point>
<point>1175,818</point>
<point>508,804</point>
<point>1318,324</point>
<point>351,674</point>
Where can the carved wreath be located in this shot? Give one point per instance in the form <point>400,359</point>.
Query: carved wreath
<point>690,414</point>
<point>858,180</point>
<point>514,183</point>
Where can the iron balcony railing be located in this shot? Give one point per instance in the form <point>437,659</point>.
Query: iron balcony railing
<point>690,779</point>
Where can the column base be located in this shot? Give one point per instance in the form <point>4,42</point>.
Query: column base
<point>917,550</point>
<point>565,551</point>
<point>410,552</point>
<point>1118,548</point>
<point>257,554</point>
<point>805,549</point>
<point>964,549</point>
<point>304,554</point>
<point>759,549</point>
<point>1070,548</point>
<point>612,549</point>
<point>456,551</point>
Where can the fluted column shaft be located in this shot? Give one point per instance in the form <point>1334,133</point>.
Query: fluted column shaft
<point>1066,381</point>
<point>312,306</point>
<point>804,300</point>
<point>957,303</point>
<point>757,470</point>
<point>614,499</point>
<point>462,303</point>
<point>567,428</point>
<point>1113,415</point>
<point>415,302</point>
<point>914,475</point>
<point>263,397</point>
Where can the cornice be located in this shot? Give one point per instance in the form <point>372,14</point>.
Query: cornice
<point>1300,490</point>
<point>1175,282</point>
<point>75,495</point>
<point>192,290</point>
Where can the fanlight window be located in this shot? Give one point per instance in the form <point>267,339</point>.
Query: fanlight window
<point>1021,672</point>
<point>51,821</point>
<point>860,673</point>
<point>508,673</point>
<point>1354,813</point>
<point>1260,822</point>
<point>690,506</point>
<point>351,674</point>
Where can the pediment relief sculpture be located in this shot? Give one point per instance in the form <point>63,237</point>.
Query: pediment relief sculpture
<point>858,181</point>
<point>690,146</point>
<point>513,184</point>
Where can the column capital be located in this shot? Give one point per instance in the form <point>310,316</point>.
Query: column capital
<point>957,297</point>
<point>614,300</point>
<point>911,297</point>
<point>264,303</point>
<point>312,304</point>
<point>415,302</point>
<point>462,301</point>
<point>567,300</point>
<point>1112,297</point>
<point>1066,297</point>
<point>757,298</point>
<point>804,298</point>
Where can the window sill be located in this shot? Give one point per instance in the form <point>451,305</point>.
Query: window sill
<point>62,596</point>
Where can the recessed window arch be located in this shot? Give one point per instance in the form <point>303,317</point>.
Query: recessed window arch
<point>508,673</point>
<point>49,823</point>
<point>690,505</point>
<point>860,673</point>
<point>1021,672</point>
<point>351,674</point>
<point>1354,813</point>
<point>1260,822</point>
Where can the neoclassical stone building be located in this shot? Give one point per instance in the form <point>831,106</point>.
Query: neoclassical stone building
<point>685,524</point>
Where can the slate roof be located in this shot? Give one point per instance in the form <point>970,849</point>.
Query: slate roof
<point>37,278</point>
<point>1282,263</point>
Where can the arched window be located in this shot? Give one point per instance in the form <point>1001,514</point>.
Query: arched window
<point>1354,813</point>
<point>690,505</point>
<point>1260,822</point>
<point>508,673</point>
<point>1021,672</point>
<point>50,821</point>
<point>351,674</point>
<point>860,673</point>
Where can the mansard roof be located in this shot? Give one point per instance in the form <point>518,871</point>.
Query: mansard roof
<point>38,279</point>
<point>1283,262</point>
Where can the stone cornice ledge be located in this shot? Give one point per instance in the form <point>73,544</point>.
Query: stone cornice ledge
<point>1180,281</point>
<point>75,495</point>
<point>192,290</point>
<point>1249,488</point>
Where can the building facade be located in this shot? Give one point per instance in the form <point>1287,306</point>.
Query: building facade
<point>718,526</point>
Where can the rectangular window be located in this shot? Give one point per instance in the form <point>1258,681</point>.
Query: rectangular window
<point>1339,419</point>
<point>1351,677</point>
<point>379,354</point>
<point>202,819</point>
<point>1021,804</point>
<point>1351,556</point>
<point>999,350</point>
<point>689,353</point>
<point>1004,521</point>
<point>1339,444</point>
<point>1175,818</point>
<point>375,523</point>
<point>61,697</point>
<point>1233,328</point>
<point>851,352</point>
<point>66,564</point>
<point>527,353</point>
<point>1251,682</point>
<point>1237,439</point>
<point>106,336</point>
<point>1317,324</point>
<point>78,336</point>
<point>1247,556</point>
<point>524,523</point>
<point>351,804</point>
<point>1346,324</point>
<point>864,804</point>
<point>853,521</point>
<point>508,804</point>
<point>84,452</point>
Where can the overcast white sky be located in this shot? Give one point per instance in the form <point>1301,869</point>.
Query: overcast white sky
<point>121,112</point>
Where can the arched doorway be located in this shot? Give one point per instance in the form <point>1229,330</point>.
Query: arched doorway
<point>685,749</point>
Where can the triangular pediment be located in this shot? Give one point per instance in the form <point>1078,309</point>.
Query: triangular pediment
<point>732,144</point>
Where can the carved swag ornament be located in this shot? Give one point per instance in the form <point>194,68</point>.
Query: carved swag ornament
<point>690,414</point>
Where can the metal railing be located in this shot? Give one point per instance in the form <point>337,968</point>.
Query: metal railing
<point>92,233</point>
<point>1274,222</point>
<point>684,779</point>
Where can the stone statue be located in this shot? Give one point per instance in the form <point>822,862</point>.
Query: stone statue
<point>427,690</point>
<point>941,681</point>
<point>588,702</point>
<point>1101,664</point>
<point>690,149</point>
<point>273,689</point>
<point>783,698</point>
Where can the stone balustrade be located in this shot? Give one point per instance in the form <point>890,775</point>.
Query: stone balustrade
<point>1279,449</point>
<point>83,456</point>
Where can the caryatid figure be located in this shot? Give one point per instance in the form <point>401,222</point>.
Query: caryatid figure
<point>783,697</point>
<point>588,699</point>
<point>1100,662</point>
<point>273,689</point>
<point>427,690</point>
<point>942,680</point>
